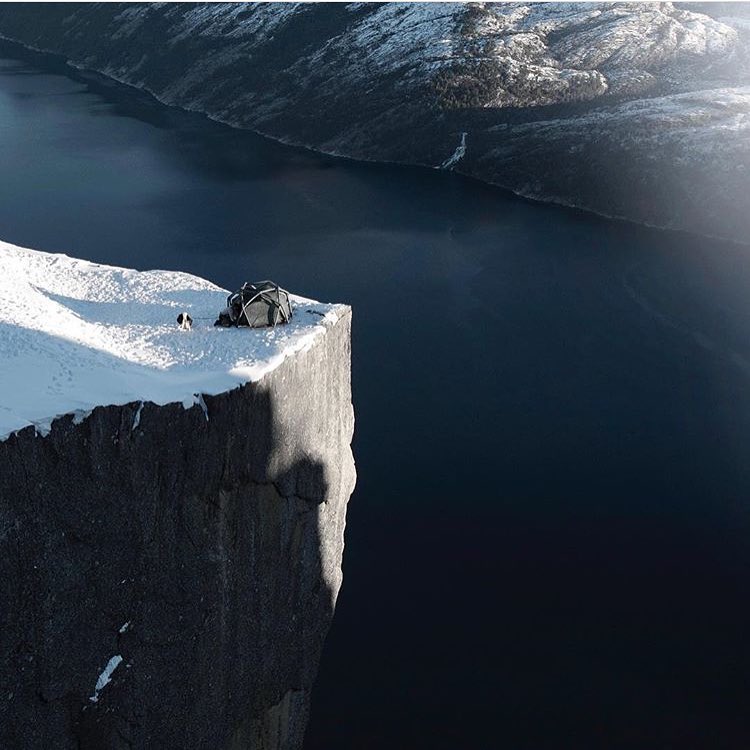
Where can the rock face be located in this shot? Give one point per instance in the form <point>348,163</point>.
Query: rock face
<point>168,576</point>
<point>636,110</point>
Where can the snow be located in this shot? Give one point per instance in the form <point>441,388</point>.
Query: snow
<point>736,22</point>
<point>137,417</point>
<point>457,155</point>
<point>538,53</point>
<point>701,118</point>
<point>105,677</point>
<point>75,335</point>
<point>522,54</point>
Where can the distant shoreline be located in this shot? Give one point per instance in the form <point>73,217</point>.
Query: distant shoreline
<point>70,68</point>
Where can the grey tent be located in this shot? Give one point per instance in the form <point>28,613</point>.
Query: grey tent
<point>257,305</point>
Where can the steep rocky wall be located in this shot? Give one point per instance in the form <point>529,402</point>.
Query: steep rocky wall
<point>204,550</point>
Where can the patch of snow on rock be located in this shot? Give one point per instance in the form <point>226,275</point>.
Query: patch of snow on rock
<point>105,677</point>
<point>457,155</point>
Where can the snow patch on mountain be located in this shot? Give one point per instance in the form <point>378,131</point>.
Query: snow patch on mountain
<point>457,155</point>
<point>546,53</point>
<point>680,118</point>
<point>75,335</point>
<point>525,54</point>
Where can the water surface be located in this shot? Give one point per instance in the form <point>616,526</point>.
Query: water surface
<point>549,544</point>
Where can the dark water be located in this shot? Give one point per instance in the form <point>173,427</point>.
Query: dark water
<point>549,544</point>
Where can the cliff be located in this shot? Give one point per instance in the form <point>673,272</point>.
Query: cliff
<point>634,110</point>
<point>168,572</point>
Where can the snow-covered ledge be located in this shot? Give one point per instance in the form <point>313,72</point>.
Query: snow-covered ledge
<point>75,335</point>
<point>168,569</point>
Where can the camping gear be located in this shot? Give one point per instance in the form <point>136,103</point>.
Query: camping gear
<point>256,305</point>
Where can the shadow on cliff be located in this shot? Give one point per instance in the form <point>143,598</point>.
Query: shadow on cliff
<point>192,546</point>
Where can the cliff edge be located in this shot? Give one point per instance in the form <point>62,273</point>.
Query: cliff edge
<point>169,564</point>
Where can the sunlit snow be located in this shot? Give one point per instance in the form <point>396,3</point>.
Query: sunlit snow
<point>75,335</point>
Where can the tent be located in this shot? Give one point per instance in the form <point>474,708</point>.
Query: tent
<point>256,305</point>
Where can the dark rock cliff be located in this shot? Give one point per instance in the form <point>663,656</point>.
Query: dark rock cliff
<point>634,110</point>
<point>203,551</point>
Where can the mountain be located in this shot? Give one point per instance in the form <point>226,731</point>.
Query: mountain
<point>172,510</point>
<point>631,110</point>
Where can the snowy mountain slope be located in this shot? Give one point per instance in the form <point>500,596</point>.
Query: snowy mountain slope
<point>75,335</point>
<point>403,81</point>
<point>539,54</point>
<point>545,54</point>
<point>682,155</point>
